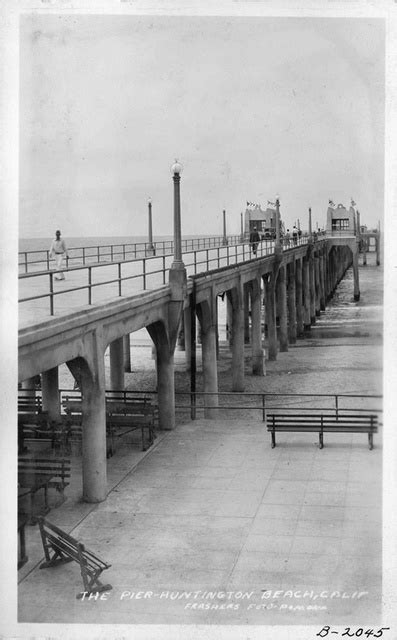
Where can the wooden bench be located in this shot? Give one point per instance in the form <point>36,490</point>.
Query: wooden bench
<point>122,417</point>
<point>30,404</point>
<point>41,473</point>
<point>65,548</point>
<point>128,416</point>
<point>323,423</point>
<point>54,432</point>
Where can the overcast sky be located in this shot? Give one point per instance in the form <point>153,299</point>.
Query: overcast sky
<point>250,106</point>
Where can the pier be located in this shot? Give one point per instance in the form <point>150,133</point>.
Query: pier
<point>211,508</point>
<point>281,286</point>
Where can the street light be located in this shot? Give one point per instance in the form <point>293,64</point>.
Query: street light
<point>310,224</point>
<point>149,202</point>
<point>224,241</point>
<point>277,221</point>
<point>176,170</point>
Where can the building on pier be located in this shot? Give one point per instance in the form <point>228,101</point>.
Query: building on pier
<point>340,220</point>
<point>263,220</point>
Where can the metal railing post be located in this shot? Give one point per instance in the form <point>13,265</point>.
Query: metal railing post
<point>144,273</point>
<point>48,260</point>
<point>51,293</point>
<point>89,285</point>
<point>119,274</point>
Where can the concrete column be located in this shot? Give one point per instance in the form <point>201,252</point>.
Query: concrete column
<point>165,387</point>
<point>306,292</point>
<point>210,369</point>
<point>246,313</point>
<point>94,437</point>
<point>282,297</point>
<point>270,308</point>
<point>238,340</point>
<point>127,353</point>
<point>188,338</point>
<point>116,349</point>
<point>257,350</point>
<point>322,281</point>
<point>356,276</point>
<point>91,374</point>
<point>332,275</point>
<point>50,393</point>
<point>299,297</point>
<point>229,321</point>
<point>216,320</point>
<point>292,329</point>
<point>181,336</point>
<point>28,387</point>
<point>312,291</point>
<point>317,284</point>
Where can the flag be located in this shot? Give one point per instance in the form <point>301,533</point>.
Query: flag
<point>271,204</point>
<point>253,204</point>
<point>330,203</point>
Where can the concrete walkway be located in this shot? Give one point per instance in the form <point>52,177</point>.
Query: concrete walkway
<point>213,527</point>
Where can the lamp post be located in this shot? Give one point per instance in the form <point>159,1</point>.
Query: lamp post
<point>278,244</point>
<point>241,228</point>
<point>224,241</point>
<point>310,225</point>
<point>176,171</point>
<point>149,203</point>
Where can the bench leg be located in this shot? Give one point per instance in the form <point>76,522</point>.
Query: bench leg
<point>273,439</point>
<point>22,557</point>
<point>321,440</point>
<point>32,520</point>
<point>91,581</point>
<point>370,441</point>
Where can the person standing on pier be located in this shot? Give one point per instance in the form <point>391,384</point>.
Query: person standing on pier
<point>295,235</point>
<point>58,251</point>
<point>254,240</point>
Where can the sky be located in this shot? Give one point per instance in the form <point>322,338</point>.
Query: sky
<point>251,106</point>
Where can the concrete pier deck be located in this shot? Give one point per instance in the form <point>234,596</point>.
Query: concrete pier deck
<point>212,526</point>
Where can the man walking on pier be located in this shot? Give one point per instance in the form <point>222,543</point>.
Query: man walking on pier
<point>58,251</point>
<point>254,240</point>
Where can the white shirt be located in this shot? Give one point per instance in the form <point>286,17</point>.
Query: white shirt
<point>58,246</point>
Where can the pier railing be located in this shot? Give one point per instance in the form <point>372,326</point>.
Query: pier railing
<point>126,277</point>
<point>256,403</point>
<point>40,260</point>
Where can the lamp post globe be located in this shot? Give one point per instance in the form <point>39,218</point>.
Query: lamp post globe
<point>176,168</point>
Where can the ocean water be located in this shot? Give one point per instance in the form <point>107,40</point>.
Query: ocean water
<point>43,244</point>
